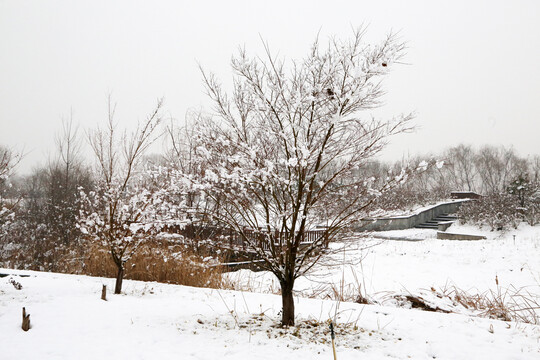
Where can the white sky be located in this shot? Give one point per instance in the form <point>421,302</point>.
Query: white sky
<point>473,77</point>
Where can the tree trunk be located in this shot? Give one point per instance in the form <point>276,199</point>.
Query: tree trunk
<point>287,299</point>
<point>119,278</point>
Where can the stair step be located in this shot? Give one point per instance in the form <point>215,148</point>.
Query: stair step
<point>427,226</point>
<point>434,223</point>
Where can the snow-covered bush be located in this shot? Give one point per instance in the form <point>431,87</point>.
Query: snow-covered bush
<point>423,187</point>
<point>6,213</point>
<point>8,202</point>
<point>532,211</point>
<point>496,211</point>
<point>527,194</point>
<point>501,211</point>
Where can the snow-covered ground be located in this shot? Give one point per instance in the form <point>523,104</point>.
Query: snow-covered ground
<point>380,265</point>
<point>158,321</point>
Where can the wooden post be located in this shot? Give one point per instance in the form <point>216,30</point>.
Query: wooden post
<point>104,293</point>
<point>25,320</point>
<point>333,336</point>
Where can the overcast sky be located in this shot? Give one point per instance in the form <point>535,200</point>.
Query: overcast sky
<point>473,76</point>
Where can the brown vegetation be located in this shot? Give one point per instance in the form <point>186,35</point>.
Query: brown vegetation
<point>156,261</point>
<point>176,264</point>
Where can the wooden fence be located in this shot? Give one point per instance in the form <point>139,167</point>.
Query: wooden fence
<point>262,239</point>
<point>249,238</point>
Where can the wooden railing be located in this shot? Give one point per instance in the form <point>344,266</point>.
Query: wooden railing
<point>262,239</point>
<point>249,238</point>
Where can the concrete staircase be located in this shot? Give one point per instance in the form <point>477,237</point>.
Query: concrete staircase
<point>433,215</point>
<point>434,222</point>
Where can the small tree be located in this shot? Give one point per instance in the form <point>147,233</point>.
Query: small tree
<point>522,188</point>
<point>527,194</point>
<point>285,146</point>
<point>122,202</point>
<point>8,161</point>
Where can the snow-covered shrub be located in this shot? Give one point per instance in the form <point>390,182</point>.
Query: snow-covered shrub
<point>532,212</point>
<point>8,201</point>
<point>43,228</point>
<point>405,198</point>
<point>519,202</point>
<point>496,211</point>
<point>527,194</point>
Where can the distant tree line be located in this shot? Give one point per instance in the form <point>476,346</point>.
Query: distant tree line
<point>509,185</point>
<point>40,216</point>
<point>45,216</point>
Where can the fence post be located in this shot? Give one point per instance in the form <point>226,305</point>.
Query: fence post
<point>25,320</point>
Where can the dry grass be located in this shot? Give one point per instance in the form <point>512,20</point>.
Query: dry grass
<point>159,262</point>
<point>509,304</point>
<point>342,291</point>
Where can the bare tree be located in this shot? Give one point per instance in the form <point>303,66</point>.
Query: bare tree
<point>497,166</point>
<point>460,167</point>
<point>65,174</point>
<point>121,201</point>
<point>8,160</point>
<point>535,168</point>
<point>282,149</point>
<point>183,158</point>
<point>45,226</point>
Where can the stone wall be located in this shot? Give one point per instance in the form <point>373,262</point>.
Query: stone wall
<point>449,236</point>
<point>407,222</point>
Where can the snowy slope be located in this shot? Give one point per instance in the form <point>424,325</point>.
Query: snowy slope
<point>158,321</point>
